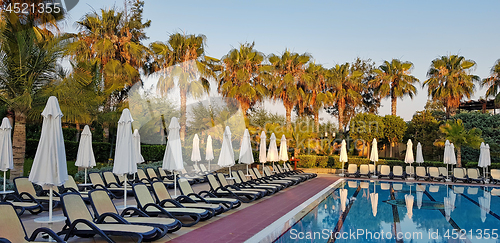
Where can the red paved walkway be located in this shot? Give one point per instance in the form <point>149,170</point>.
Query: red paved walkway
<point>243,224</point>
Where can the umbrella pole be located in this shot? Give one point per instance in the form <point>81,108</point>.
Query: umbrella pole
<point>247,173</point>
<point>274,168</point>
<point>4,180</point>
<point>343,168</point>
<point>175,185</point>
<point>50,203</point>
<point>262,168</point>
<point>125,193</point>
<point>447,170</point>
<point>209,165</point>
<point>85,175</point>
<point>230,172</point>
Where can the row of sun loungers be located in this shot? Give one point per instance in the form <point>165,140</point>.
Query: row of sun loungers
<point>430,173</point>
<point>156,214</point>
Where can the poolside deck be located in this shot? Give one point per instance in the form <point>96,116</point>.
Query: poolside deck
<point>234,226</point>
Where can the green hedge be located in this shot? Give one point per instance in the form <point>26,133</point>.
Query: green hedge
<point>28,163</point>
<point>101,150</point>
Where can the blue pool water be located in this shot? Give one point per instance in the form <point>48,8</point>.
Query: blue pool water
<point>378,211</point>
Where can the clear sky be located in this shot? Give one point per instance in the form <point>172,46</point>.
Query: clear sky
<point>335,32</point>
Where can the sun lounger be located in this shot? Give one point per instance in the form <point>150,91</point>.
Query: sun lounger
<point>142,177</point>
<point>206,196</point>
<point>12,228</point>
<point>25,191</point>
<point>494,176</point>
<point>459,175</point>
<point>113,184</point>
<point>385,171</point>
<point>372,169</point>
<point>192,175</point>
<point>223,182</point>
<point>289,168</point>
<point>101,204</point>
<point>397,172</point>
<point>364,170</point>
<point>244,196</point>
<point>243,178</point>
<point>352,170</point>
<point>239,183</point>
<point>71,186</point>
<point>474,176</point>
<point>204,169</point>
<point>434,174</point>
<point>269,174</point>
<point>79,222</point>
<point>443,171</point>
<point>147,204</point>
<point>257,178</point>
<point>292,174</point>
<point>379,167</point>
<point>410,171</point>
<point>163,197</point>
<point>255,172</point>
<point>168,180</point>
<point>421,173</point>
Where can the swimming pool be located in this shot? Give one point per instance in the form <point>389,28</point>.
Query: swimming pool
<point>389,211</point>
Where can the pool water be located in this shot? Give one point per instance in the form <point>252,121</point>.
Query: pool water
<point>378,211</point>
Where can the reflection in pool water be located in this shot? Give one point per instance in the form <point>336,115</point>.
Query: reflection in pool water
<point>380,211</point>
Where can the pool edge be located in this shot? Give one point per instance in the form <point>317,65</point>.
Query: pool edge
<point>280,226</point>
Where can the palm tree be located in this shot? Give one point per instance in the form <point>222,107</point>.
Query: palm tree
<point>28,61</point>
<point>316,95</point>
<point>450,80</point>
<point>285,72</point>
<point>240,76</point>
<point>455,132</point>
<point>493,82</point>
<point>393,80</point>
<point>345,85</point>
<point>183,57</point>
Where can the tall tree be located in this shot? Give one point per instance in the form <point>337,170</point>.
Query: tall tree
<point>240,76</point>
<point>110,40</point>
<point>394,130</point>
<point>28,61</point>
<point>182,58</point>
<point>285,73</point>
<point>316,95</point>
<point>450,80</point>
<point>455,132</point>
<point>393,80</point>
<point>493,82</point>
<point>366,127</point>
<point>345,85</point>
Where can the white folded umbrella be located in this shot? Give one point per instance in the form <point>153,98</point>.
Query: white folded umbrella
<point>447,156</point>
<point>420,156</point>
<point>409,153</point>
<point>85,156</point>
<point>409,205</point>
<point>6,155</point>
<point>226,156</point>
<point>272,153</point>
<point>246,154</point>
<point>172,159</point>
<point>374,153</point>
<point>125,161</point>
<point>343,199</point>
<point>343,154</point>
<point>195,153</point>
<point>137,145</point>
<point>283,149</point>
<point>262,150</point>
<point>49,167</point>
<point>209,152</point>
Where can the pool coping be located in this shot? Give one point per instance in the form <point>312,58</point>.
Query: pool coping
<point>280,226</point>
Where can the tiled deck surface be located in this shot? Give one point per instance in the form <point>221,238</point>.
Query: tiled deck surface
<point>243,224</point>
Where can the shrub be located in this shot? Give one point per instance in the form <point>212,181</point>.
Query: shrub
<point>322,161</point>
<point>306,161</point>
<point>153,152</point>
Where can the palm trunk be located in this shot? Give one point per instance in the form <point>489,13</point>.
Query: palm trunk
<point>288,111</point>
<point>19,144</point>
<point>390,149</point>
<point>183,114</point>
<point>316,121</point>
<point>394,102</point>
<point>244,108</point>
<point>341,115</point>
<point>368,145</point>
<point>459,157</point>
